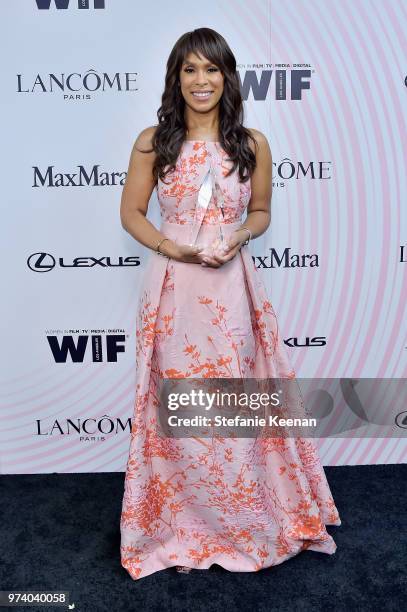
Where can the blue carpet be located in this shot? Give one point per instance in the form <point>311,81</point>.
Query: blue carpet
<point>61,531</point>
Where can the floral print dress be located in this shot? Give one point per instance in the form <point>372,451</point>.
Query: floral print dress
<point>243,503</point>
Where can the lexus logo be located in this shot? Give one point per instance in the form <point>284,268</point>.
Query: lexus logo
<point>44,262</point>
<point>41,262</point>
<point>401,419</point>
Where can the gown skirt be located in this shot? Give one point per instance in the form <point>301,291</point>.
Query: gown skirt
<point>243,503</point>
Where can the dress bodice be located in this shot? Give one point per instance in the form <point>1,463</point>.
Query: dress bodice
<point>177,196</point>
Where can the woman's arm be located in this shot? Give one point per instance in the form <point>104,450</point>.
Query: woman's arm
<point>136,195</point>
<point>137,192</point>
<point>259,208</point>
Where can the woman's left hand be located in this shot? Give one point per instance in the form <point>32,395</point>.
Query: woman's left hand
<point>230,249</point>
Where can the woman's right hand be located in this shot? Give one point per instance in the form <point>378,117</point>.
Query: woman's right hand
<point>182,252</point>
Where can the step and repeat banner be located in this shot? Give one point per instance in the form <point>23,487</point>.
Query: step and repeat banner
<point>325,81</point>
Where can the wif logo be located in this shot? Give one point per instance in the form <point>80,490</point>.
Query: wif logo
<point>64,4</point>
<point>295,80</point>
<point>102,347</point>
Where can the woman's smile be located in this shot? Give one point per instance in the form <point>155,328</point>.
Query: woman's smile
<point>202,95</point>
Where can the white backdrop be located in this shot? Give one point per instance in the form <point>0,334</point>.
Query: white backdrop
<point>324,81</point>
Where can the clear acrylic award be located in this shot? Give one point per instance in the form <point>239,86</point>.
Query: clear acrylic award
<point>208,188</point>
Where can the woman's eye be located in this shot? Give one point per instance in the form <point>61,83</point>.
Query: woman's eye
<point>211,69</point>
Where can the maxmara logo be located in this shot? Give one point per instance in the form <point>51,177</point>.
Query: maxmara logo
<point>93,177</point>
<point>64,4</point>
<point>44,262</point>
<point>286,259</point>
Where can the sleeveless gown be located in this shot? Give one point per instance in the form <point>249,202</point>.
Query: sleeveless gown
<point>243,503</point>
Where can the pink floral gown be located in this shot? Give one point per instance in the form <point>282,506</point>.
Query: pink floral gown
<point>243,503</point>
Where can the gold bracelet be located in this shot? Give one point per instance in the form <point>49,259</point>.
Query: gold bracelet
<point>157,249</point>
<point>250,234</point>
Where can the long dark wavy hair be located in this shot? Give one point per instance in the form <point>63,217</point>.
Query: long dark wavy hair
<point>171,130</point>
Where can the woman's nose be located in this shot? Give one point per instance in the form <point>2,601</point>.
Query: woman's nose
<point>201,79</point>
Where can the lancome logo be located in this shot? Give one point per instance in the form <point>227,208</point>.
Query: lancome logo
<point>82,178</point>
<point>286,260</point>
<point>88,429</point>
<point>44,262</point>
<point>292,76</point>
<point>287,170</point>
<point>63,4</point>
<point>76,85</point>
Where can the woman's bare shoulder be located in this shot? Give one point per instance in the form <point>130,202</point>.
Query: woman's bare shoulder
<point>259,137</point>
<point>144,140</point>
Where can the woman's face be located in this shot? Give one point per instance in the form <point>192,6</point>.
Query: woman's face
<point>199,75</point>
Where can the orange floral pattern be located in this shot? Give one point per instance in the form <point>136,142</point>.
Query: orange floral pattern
<point>244,503</point>
<point>177,195</point>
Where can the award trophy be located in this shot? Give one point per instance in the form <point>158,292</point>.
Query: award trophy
<point>208,187</point>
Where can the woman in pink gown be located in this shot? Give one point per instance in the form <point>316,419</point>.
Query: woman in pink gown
<point>243,503</point>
